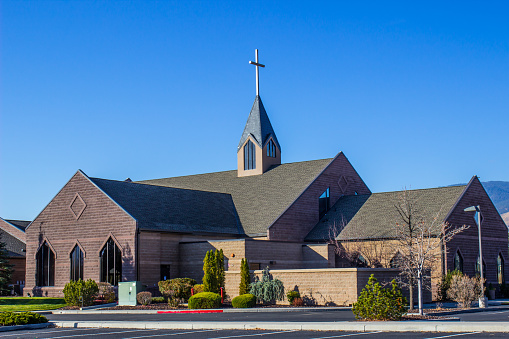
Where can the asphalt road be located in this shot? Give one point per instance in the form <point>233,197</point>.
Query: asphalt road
<point>224,334</point>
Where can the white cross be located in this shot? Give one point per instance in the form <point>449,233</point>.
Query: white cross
<point>257,74</point>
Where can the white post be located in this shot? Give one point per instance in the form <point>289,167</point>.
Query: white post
<point>482,299</point>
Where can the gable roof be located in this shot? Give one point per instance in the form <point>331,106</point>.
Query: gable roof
<point>21,224</point>
<point>14,246</point>
<point>159,208</point>
<point>258,126</point>
<point>259,199</point>
<point>373,216</point>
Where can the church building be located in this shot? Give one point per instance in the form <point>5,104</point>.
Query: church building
<point>272,213</point>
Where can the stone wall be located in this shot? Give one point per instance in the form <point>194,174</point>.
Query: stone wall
<point>327,286</point>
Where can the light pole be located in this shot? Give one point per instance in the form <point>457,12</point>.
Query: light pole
<point>478,220</point>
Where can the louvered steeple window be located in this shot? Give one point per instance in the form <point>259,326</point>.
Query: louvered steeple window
<point>249,156</point>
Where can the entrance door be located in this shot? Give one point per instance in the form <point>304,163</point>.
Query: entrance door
<point>165,272</point>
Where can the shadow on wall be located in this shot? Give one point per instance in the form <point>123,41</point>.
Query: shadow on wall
<point>128,265</point>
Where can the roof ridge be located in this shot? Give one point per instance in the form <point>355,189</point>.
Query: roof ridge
<point>423,189</point>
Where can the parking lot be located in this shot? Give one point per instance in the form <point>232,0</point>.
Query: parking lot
<point>227,334</point>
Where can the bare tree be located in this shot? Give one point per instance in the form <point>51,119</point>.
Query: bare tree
<point>419,237</point>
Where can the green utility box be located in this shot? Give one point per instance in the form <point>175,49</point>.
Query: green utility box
<point>127,292</point>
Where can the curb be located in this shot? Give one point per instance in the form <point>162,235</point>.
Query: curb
<point>191,311</point>
<point>25,327</point>
<point>470,310</point>
<point>225,310</point>
<point>355,326</point>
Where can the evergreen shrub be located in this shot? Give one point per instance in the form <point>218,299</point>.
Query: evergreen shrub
<point>158,300</point>
<point>446,283</point>
<point>378,303</point>
<point>267,290</point>
<point>204,300</point>
<point>73,290</point>
<point>22,318</point>
<point>213,271</point>
<point>144,298</point>
<point>244,301</point>
<point>292,295</point>
<point>198,288</point>
<point>245,277</point>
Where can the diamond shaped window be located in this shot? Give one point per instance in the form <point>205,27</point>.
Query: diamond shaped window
<point>77,206</point>
<point>343,184</point>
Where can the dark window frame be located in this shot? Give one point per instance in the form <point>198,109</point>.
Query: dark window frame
<point>500,269</point>
<point>45,266</point>
<point>458,264</point>
<point>271,149</point>
<point>249,156</point>
<point>324,203</point>
<point>77,262</point>
<point>110,259</point>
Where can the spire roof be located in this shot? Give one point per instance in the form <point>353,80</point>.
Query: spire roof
<point>258,126</point>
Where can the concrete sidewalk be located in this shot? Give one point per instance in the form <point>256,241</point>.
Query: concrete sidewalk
<point>355,326</point>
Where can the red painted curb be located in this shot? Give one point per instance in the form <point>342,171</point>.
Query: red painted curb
<point>192,311</point>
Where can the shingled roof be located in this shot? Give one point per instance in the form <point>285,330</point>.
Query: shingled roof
<point>14,246</point>
<point>259,199</point>
<point>21,224</point>
<point>373,216</point>
<point>258,125</point>
<point>170,209</point>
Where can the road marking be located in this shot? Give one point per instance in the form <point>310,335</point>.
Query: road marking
<point>74,329</point>
<point>454,335</point>
<point>105,333</point>
<point>166,334</point>
<point>489,312</point>
<point>252,335</point>
<point>348,335</point>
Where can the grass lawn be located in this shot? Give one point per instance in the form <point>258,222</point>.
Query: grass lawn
<point>15,304</point>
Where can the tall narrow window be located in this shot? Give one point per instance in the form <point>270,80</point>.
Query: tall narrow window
<point>500,269</point>
<point>271,149</point>
<point>478,268</point>
<point>45,262</point>
<point>458,262</point>
<point>249,156</point>
<point>111,263</point>
<point>76,264</point>
<point>323,203</point>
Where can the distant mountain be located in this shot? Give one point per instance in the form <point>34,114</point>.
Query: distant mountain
<point>499,194</point>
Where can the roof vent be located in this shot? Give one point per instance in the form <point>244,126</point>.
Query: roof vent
<point>128,180</point>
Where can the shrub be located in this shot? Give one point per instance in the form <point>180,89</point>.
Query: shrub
<point>378,303</point>
<point>144,298</point>
<point>23,318</point>
<point>245,277</point>
<point>73,290</point>
<point>446,283</point>
<point>204,300</point>
<point>464,290</point>
<point>176,290</point>
<point>158,300</point>
<point>297,302</point>
<point>198,288</point>
<point>106,292</point>
<point>244,301</point>
<point>267,290</point>
<point>213,271</point>
<point>291,295</point>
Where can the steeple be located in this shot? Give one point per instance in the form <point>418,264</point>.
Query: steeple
<point>258,148</point>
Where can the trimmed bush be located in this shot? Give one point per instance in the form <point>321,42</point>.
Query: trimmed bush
<point>176,290</point>
<point>144,298</point>
<point>244,301</point>
<point>23,318</point>
<point>378,303</point>
<point>267,290</point>
<point>158,300</point>
<point>292,295</point>
<point>204,300</point>
<point>298,302</point>
<point>198,288</point>
<point>245,277</point>
<point>106,292</point>
<point>73,290</point>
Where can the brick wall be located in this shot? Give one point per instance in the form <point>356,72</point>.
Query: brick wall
<point>329,286</point>
<point>298,220</point>
<point>59,226</point>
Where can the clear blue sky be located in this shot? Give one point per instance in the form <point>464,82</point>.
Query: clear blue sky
<point>415,94</point>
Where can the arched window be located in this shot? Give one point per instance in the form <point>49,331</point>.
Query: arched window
<point>396,260</point>
<point>458,262</point>
<point>111,263</point>
<point>324,203</point>
<point>45,266</point>
<point>249,156</point>
<point>271,149</point>
<point>478,267</point>
<point>76,264</point>
<point>500,269</point>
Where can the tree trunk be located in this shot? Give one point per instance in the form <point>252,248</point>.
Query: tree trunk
<point>411,290</point>
<point>419,286</point>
